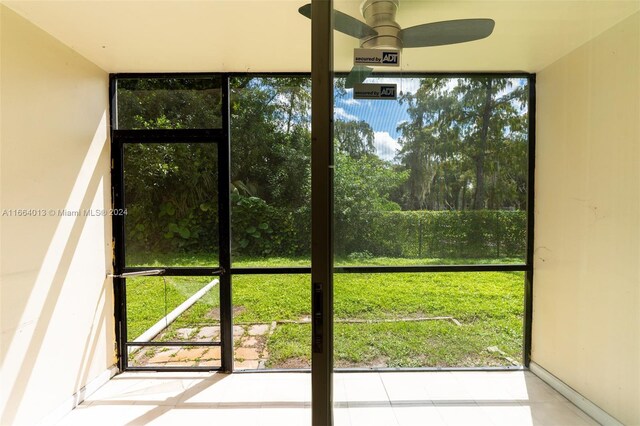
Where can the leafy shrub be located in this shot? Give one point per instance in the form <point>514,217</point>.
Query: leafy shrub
<point>458,234</point>
<point>170,196</point>
<point>258,229</point>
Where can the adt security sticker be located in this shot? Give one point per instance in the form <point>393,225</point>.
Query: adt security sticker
<point>375,91</point>
<point>376,57</point>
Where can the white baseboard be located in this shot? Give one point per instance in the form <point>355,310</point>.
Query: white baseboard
<point>77,398</point>
<point>597,413</point>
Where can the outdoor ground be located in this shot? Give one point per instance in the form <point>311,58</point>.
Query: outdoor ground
<point>381,320</point>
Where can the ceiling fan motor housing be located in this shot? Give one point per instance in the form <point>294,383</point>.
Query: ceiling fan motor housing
<point>381,16</point>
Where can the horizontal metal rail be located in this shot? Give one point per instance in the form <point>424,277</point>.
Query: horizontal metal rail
<point>174,369</point>
<point>208,271</point>
<point>271,270</point>
<point>139,273</point>
<point>173,136</point>
<point>170,271</point>
<point>172,343</point>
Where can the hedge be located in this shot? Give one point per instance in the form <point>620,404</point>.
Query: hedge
<point>259,229</point>
<point>404,234</point>
<point>448,234</point>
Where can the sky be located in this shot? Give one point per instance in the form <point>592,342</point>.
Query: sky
<point>384,116</point>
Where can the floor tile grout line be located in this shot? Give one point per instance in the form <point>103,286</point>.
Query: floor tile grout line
<point>386,391</point>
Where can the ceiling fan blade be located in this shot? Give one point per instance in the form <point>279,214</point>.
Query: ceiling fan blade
<point>446,32</point>
<point>344,23</point>
<point>358,74</point>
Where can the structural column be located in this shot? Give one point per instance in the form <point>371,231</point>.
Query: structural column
<point>322,211</point>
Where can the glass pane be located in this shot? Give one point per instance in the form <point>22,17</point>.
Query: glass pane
<point>429,319</point>
<point>438,176</point>
<point>163,309</point>
<point>270,171</point>
<point>169,103</point>
<point>171,197</point>
<point>271,317</point>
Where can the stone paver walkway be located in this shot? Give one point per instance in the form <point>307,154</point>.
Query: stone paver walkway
<point>250,351</point>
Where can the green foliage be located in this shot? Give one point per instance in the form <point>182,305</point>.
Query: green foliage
<point>270,139</point>
<point>465,144</point>
<point>171,195</point>
<point>258,229</point>
<point>270,166</point>
<point>169,103</point>
<point>429,205</point>
<point>450,234</point>
<point>432,234</point>
<point>362,190</point>
<point>354,138</point>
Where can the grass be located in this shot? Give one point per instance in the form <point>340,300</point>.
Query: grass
<point>149,299</point>
<point>488,307</point>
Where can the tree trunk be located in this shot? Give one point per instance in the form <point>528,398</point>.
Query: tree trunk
<point>478,199</point>
<point>292,100</point>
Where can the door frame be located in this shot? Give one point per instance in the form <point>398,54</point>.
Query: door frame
<point>218,137</point>
<point>322,166</point>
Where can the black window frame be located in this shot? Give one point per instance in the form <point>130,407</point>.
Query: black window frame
<point>226,270</point>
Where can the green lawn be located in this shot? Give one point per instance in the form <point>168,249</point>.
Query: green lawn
<point>487,309</point>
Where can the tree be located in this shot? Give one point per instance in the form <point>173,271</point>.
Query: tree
<point>171,188</point>
<point>170,192</point>
<point>271,140</point>
<point>169,103</point>
<point>490,120</point>
<point>465,144</point>
<point>362,192</point>
<point>354,138</point>
<point>463,147</point>
<point>429,144</point>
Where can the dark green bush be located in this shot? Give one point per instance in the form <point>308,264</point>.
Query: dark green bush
<point>453,234</point>
<point>170,192</point>
<point>258,229</point>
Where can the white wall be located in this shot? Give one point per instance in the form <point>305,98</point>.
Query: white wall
<point>586,304</point>
<point>56,304</point>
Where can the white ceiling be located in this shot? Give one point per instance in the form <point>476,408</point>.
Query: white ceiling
<point>267,35</point>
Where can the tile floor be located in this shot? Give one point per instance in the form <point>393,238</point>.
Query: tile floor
<point>387,398</point>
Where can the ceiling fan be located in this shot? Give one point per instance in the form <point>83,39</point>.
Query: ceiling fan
<point>382,31</point>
